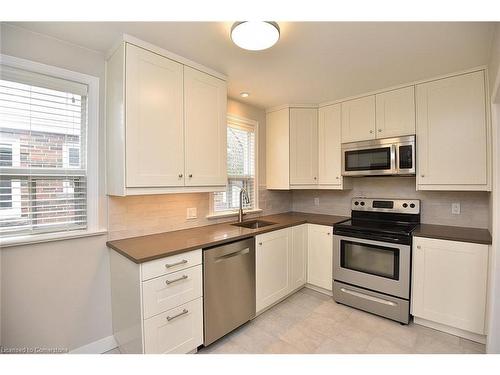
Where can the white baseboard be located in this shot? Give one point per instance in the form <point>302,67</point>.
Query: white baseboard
<point>451,330</point>
<point>97,347</point>
<point>319,289</point>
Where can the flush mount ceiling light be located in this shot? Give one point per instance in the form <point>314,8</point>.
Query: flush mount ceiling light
<point>244,94</point>
<point>255,35</point>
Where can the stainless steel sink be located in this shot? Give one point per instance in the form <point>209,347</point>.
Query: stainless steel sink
<point>253,224</point>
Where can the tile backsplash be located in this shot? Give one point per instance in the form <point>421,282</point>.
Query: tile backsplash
<point>146,214</point>
<point>435,205</point>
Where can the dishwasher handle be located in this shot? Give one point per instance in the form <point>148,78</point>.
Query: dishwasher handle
<point>232,255</point>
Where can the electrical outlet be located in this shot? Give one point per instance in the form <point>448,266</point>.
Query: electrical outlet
<point>316,201</point>
<point>455,208</point>
<point>191,213</point>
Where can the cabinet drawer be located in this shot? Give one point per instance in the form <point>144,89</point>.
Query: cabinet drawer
<point>168,291</point>
<point>170,264</point>
<point>176,331</point>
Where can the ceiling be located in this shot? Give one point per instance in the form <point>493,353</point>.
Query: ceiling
<point>313,62</point>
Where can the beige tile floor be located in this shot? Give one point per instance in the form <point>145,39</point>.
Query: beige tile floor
<point>310,322</point>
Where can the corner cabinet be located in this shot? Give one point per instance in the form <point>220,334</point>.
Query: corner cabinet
<point>281,258</point>
<point>303,152</point>
<point>320,256</point>
<point>453,134</point>
<point>449,286</point>
<point>166,125</point>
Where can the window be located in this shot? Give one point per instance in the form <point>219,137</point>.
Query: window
<point>241,163</point>
<point>43,143</point>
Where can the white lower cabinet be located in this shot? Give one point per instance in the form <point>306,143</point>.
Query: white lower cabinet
<point>157,306</point>
<point>287,259</point>
<point>176,331</point>
<point>273,263</point>
<point>320,256</point>
<point>449,285</point>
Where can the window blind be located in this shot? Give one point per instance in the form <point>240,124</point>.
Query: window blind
<point>43,124</point>
<point>240,168</point>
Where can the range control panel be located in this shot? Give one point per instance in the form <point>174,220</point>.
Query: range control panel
<point>401,206</point>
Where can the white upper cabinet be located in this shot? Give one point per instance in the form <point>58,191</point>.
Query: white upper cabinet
<point>278,149</point>
<point>205,99</point>
<point>165,123</point>
<point>395,112</point>
<point>155,129</point>
<point>450,283</point>
<point>329,148</point>
<point>303,146</point>
<point>453,134</point>
<point>358,119</point>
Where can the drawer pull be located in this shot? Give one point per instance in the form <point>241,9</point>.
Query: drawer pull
<point>367,297</point>
<point>183,312</point>
<point>183,277</point>
<point>184,261</point>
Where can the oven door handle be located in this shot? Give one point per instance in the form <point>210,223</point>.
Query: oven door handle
<point>367,297</point>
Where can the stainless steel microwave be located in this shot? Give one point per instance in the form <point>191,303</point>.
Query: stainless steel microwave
<point>379,157</point>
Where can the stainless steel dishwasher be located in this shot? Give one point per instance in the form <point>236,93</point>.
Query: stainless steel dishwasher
<point>228,288</point>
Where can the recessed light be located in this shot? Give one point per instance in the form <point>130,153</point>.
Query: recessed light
<point>244,94</point>
<point>255,35</point>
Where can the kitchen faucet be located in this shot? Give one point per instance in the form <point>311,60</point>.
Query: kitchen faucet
<point>243,193</point>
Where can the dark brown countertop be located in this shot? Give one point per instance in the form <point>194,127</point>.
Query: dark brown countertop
<point>145,248</point>
<point>462,234</point>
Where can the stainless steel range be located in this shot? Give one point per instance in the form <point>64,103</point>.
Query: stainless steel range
<point>372,256</point>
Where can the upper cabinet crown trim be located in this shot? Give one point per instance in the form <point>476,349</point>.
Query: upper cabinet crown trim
<point>380,91</point>
<point>125,38</point>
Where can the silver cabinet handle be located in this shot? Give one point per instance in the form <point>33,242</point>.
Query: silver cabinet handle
<point>180,175</point>
<point>183,277</point>
<point>337,177</point>
<point>380,130</point>
<point>260,243</point>
<point>371,131</point>
<point>315,178</point>
<point>190,175</point>
<point>421,175</point>
<point>184,261</point>
<point>419,247</point>
<point>184,312</point>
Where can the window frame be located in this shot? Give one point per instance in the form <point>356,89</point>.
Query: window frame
<point>92,150</point>
<point>244,122</point>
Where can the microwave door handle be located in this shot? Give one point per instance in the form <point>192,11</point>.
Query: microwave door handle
<point>394,167</point>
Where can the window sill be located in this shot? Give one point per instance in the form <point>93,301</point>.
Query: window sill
<point>232,213</point>
<point>49,237</point>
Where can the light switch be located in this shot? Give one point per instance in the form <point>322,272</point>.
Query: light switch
<point>455,208</point>
<point>191,213</point>
<point>316,201</point>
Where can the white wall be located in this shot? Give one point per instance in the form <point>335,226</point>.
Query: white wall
<point>493,344</point>
<point>56,294</point>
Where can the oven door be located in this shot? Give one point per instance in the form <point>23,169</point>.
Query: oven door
<point>372,160</point>
<point>379,266</point>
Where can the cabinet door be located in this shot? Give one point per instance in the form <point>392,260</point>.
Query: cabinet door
<point>176,331</point>
<point>205,99</point>
<point>298,268</point>
<point>278,149</point>
<point>452,134</point>
<point>395,112</point>
<point>154,123</point>
<point>449,283</point>
<point>330,156</point>
<point>358,119</point>
<point>320,256</point>
<point>272,259</point>
<point>303,146</point>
